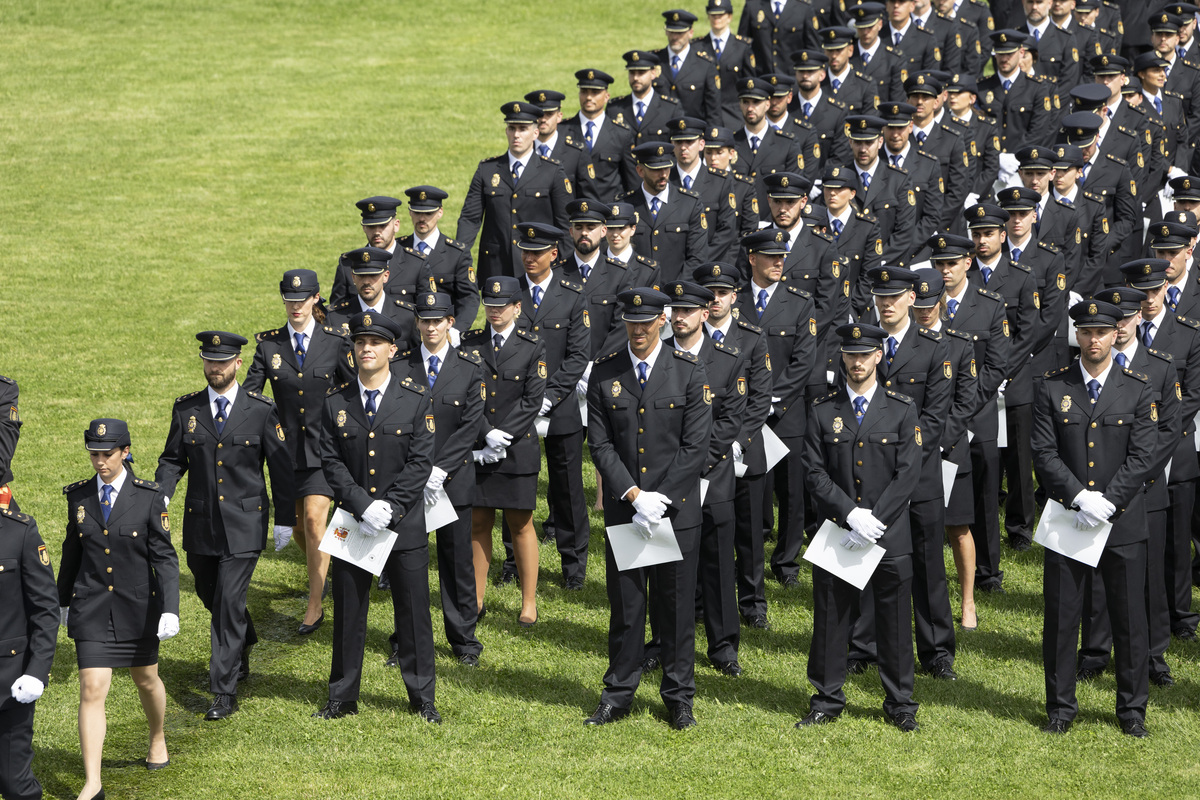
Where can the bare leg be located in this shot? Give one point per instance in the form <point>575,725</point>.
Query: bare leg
<point>525,552</point>
<point>154,704</point>
<point>963,547</point>
<point>93,690</point>
<point>298,528</point>
<point>482,522</point>
<point>599,493</point>
<point>315,514</point>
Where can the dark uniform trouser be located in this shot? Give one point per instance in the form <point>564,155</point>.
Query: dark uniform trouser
<point>456,575</point>
<point>408,571</point>
<point>1096,649</point>
<point>985,530</point>
<point>789,489</point>
<point>832,598</point>
<point>672,600</point>
<point>221,584</point>
<point>16,754</point>
<point>931,594</point>
<point>1179,556</point>
<point>1019,509</point>
<point>748,546</point>
<point>1123,568</point>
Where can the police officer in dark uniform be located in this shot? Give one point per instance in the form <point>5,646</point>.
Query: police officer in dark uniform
<point>304,355</point>
<point>719,154</point>
<point>645,109</point>
<point>30,634</point>
<point>673,229</point>
<point>733,56</point>
<point>406,267</point>
<point>564,149</point>
<point>886,191</point>
<point>818,107</point>
<point>922,169</point>
<point>875,57</point>
<point>601,276</point>
<point>455,380</point>
<point>448,261</point>
<point>715,187</point>
<point>1021,105</point>
<point>862,482</point>
<point>842,79</point>
<point>762,148</point>
<point>855,234</point>
<point>1101,472</point>
<point>649,418</point>
<point>1094,224</point>
<point>371,275</point>
<point>933,133</point>
<point>220,437</point>
<point>689,71</point>
<point>777,29</point>
<point>519,184</point>
<point>10,432</point>
<point>978,133</point>
<point>377,441</point>
<point>608,141</point>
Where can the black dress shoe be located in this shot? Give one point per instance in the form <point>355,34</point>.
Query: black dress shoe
<point>98,795</point>
<point>758,621</point>
<point>528,624</point>
<point>650,664</point>
<point>305,630</point>
<point>549,536</point>
<point>336,709</point>
<point>482,613</point>
<point>1135,728</point>
<point>731,668</point>
<point>223,706</point>
<point>606,713</point>
<point>506,576</point>
<point>1088,673</point>
<point>1058,726</point>
<point>943,671</point>
<point>244,666</point>
<point>1162,679</point>
<point>394,659</point>
<point>857,666</point>
<point>384,582</point>
<point>574,584</point>
<point>991,587</point>
<point>1184,635</point>
<point>905,722</point>
<point>816,718</point>
<point>154,766</point>
<point>428,712</point>
<point>681,716</point>
<point>469,659</point>
<point>1020,545</point>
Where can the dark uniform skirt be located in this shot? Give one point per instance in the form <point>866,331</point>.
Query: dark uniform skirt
<point>116,655</point>
<point>502,490</point>
<point>312,481</point>
<point>961,510</point>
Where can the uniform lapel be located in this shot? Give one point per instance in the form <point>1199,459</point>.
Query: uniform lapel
<point>124,501</point>
<point>91,503</point>
<point>1112,388</point>
<point>908,347</point>
<point>876,410</point>
<point>659,375</point>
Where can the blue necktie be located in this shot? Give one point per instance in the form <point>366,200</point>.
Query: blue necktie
<point>1094,389</point>
<point>761,305</point>
<point>370,407</point>
<point>1158,104</point>
<point>222,414</point>
<point>106,502</point>
<point>860,408</point>
<point>837,227</point>
<point>891,348</point>
<point>584,269</point>
<point>951,307</point>
<point>778,7</point>
<point>807,110</point>
<point>641,370</point>
<point>675,66</point>
<point>544,150</point>
<point>591,132</point>
<point>987,274</point>
<point>835,83</point>
<point>1083,174</point>
<point>433,370</point>
<point>896,39</point>
<point>921,137</point>
<point>1147,335</point>
<point>687,181</point>
<point>1173,297</point>
<point>422,248</point>
<point>537,296</point>
<point>896,161</point>
<point>299,349</point>
<point>866,57</point>
<point>516,172</point>
<point>655,203</point>
<point>865,177</point>
<point>641,111</point>
<point>1122,361</point>
<point>1007,84</point>
<point>497,341</point>
<point>718,337</point>
<point>754,142</point>
<point>1037,35</point>
<point>1016,254</point>
<point>717,48</point>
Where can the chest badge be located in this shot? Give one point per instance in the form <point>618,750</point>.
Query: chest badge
<point>276,361</point>
<point>191,424</point>
<point>838,425</point>
<point>616,389</point>
<point>1065,405</point>
<point>495,179</point>
<point>79,515</point>
<point>43,556</point>
<point>341,418</point>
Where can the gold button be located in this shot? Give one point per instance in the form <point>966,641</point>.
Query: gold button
<point>135,534</point>
<point>220,463</point>
<point>887,383</point>
<point>1091,444</point>
<point>371,435</point>
<point>110,588</point>
<point>640,450</point>
<point>301,393</point>
<point>370,452</point>
<point>372,472</point>
<point>641,411</point>
<point>300,375</point>
<point>859,463</point>
<point>883,441</point>
<point>643,469</point>
<point>1091,483</point>
<point>221,498</point>
<point>220,445</point>
<point>220,480</point>
<point>106,552</point>
<point>639,431</point>
<point>493,394</point>
<point>106,533</point>
<point>108,570</point>
<point>1093,424</point>
<point>860,444</point>
<point>372,490</point>
<point>302,411</point>
<point>1091,463</point>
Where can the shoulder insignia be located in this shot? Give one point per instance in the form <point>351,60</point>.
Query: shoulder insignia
<point>1051,246</point>
<point>1023,267</point>
<point>1054,372</point>
<point>720,173</point>
<point>457,245</point>
<point>784,134</point>
<point>527,334</point>
<point>989,294</point>
<point>187,396</point>
<point>928,334</point>
<point>824,398</point>
<point>737,176</point>
<point>574,287</point>
<point>822,235</point>
<point>260,398</point>
<point>746,326</point>
<point>72,486</point>
<point>620,122</point>
<point>1137,375</point>
<point>466,355</point>
<point>688,192</point>
<point>145,484</point>
<point>800,292</point>
<point>336,389</point>
<point>669,99</point>
<point>725,348</point>
<point>966,337</point>
<point>680,354</point>
<point>550,160</point>
<point>1160,354</point>
<point>903,398</point>
<point>1191,323</point>
<point>413,386</point>
<point>23,518</point>
<point>608,357</point>
<point>1117,159</point>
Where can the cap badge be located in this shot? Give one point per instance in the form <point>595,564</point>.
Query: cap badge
<point>216,339</point>
<point>421,196</point>
<point>750,84</point>
<point>714,133</point>
<point>883,276</point>
<point>921,80</point>
<point>716,270</point>
<point>675,17</point>
<point>804,56</point>
<point>1033,153</point>
<point>366,257</point>
<point>430,299</point>
<point>981,212</point>
<point>637,299</point>
<point>660,151</point>
<point>295,281</point>
<point>679,290</point>
<point>635,56</point>
<point>591,73</point>
<point>1187,183</point>
<point>1004,37</point>
<point>583,206</point>
<point>496,287</point>
<point>541,97</point>
<point>532,233</point>
<point>862,123</point>
<point>837,171</point>
<point>856,333</point>
<point>366,320</point>
<point>101,429</point>
<point>779,236</point>
<point>924,287</point>
<point>942,242</point>
<point>1146,270</point>
<point>1092,308</point>
<point>783,181</point>
<point>1104,61</point>
<point>370,206</point>
<point>1166,231</point>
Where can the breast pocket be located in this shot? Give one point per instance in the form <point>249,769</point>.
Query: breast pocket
<point>884,438</point>
<point>195,440</point>
<point>246,440</point>
<point>910,383</point>
<point>514,375</point>
<point>10,571</point>
<point>670,405</point>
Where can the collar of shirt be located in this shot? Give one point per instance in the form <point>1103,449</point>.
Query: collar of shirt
<point>504,334</point>
<point>1170,59</point>
<point>1022,245</point>
<point>815,99</point>
<point>1113,108</point>
<point>936,326</point>
<point>523,161</point>
<point>1130,351</point>
<point>872,50</point>
<point>923,21</point>
<point>230,395</point>
<point>623,256</point>
<point>650,359</point>
<point>1041,206</point>
<point>843,217</point>
<point>1066,26</point>
<point>724,329</point>
<point>957,5</point>
<point>1102,377</point>
<point>845,74</point>
<point>432,241</point>
<point>695,173</point>
<point>1158,320</point>
<point>1041,29</point>
<point>869,170</point>
<point>928,129</point>
<point>1091,162</point>
<point>898,336</point>
<point>960,296</point>
<point>1151,97</point>
<point>694,349</point>
<point>761,134</point>
<point>362,390</point>
<point>1070,198</point>
<point>441,354</point>
<point>755,289</point>
<point>553,141</point>
<point>892,31</point>
<point>1105,125</point>
<point>937,118</point>
<point>647,99</point>
<point>597,124</point>
<point>1014,76</point>
<point>994,265</point>
<point>117,484</point>
<point>682,55</point>
<point>869,394</point>
<point>595,259</point>
<point>719,41</point>
<point>662,196</point>
<point>378,309</point>
<point>904,154</point>
<point>391,248</point>
<point>308,331</point>
<point>544,285</point>
<point>967,117</point>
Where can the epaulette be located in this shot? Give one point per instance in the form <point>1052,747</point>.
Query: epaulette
<point>572,143</point>
<point>1117,159</point>
<point>689,192</point>
<point>706,56</point>
<point>1051,246</point>
<point>669,99</point>
<point>859,74</point>
<point>525,334</point>
<point>1126,131</point>
<point>866,214</point>
<point>926,154</point>
<point>336,389</point>
<point>335,331</point>
<point>989,294</point>
<point>801,123</point>
<point>799,292</point>
<point>1161,354</point>
<point>70,487</point>
<point>260,398</point>
<point>741,38</point>
<point>1021,266</point>
<point>457,245</point>
<point>784,134</point>
<point>345,304</point>
<point>901,170</point>
<point>1191,323</point>
<point>187,396</point>
<point>1063,202</point>
<point>966,337</point>
<point>616,262</point>
<point>725,348</point>
<point>737,176</point>
<point>16,515</point>
<point>474,332</point>
<point>622,98</point>
<point>145,484</point>
<point>685,356</point>
<point>620,122</point>
<point>405,304</point>
<point>494,158</point>
<point>720,173</point>
<point>550,160</point>
<point>574,287</point>
<point>748,326</point>
<point>258,337</point>
<point>6,379</point>
<point>413,252</point>
<point>609,356</point>
<point>474,359</point>
<point>1137,375</point>
<point>928,334</point>
<point>820,234</point>
<point>1093,196</point>
<point>403,355</point>
<point>413,386</point>
<point>889,48</point>
<point>903,398</point>
<point>833,101</point>
<point>824,398</point>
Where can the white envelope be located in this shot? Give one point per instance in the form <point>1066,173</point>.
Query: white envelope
<point>542,426</point>
<point>441,513</point>
<point>631,551</point>
<point>1002,417</point>
<point>583,408</point>
<point>949,471</point>
<point>855,567</point>
<point>344,539</point>
<point>703,489</point>
<point>1056,531</point>
<point>776,449</point>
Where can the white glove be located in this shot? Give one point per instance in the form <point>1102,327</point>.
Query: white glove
<point>546,406</point>
<point>971,200</point>
<point>854,541</point>
<point>1085,521</point>
<point>1003,385</point>
<point>166,501</point>
<point>581,387</point>
<point>283,535</point>
<point>63,613</point>
<point>493,454</point>
<point>642,525</point>
<point>478,456</point>
<point>739,455</point>
<point>430,496</point>
<point>367,529</point>
<point>497,439</point>
<point>863,522</point>
<point>651,505</point>
<point>1009,164</point>
<point>27,688</point>
<point>378,515</point>
<point>437,479</point>
<point>1094,505</point>
<point>739,469</point>
<point>168,626</point>
<point>455,336</point>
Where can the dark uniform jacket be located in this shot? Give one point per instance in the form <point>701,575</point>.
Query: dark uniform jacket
<point>29,630</point>
<point>778,151</point>
<point>923,369</point>
<point>774,39</point>
<point>981,316</point>
<point>457,398</point>
<point>1180,337</point>
<point>750,341</point>
<point>695,87</point>
<point>860,248</point>
<point>494,205</point>
<point>661,109</point>
<point>858,93</point>
<point>814,265</point>
<point>790,326</point>
<point>892,199</point>
<point>677,239</point>
<point>653,437</point>
<point>1110,178</point>
<point>1015,283</point>
<point>10,427</point>
<point>449,271</point>
<point>611,167</point>
<point>887,70</point>
<point>563,328</point>
<point>515,382</point>
<point>718,197</point>
<point>1048,267</point>
<point>1024,114</point>
<point>299,392</point>
<point>948,144</point>
<point>982,140</point>
<point>735,62</point>
<point>881,475</point>
<point>965,400</point>
<point>925,176</point>
<point>828,120</point>
<point>572,156</point>
<point>120,575</point>
<point>397,309</point>
<point>918,48</point>
<point>226,509</point>
<point>407,275</point>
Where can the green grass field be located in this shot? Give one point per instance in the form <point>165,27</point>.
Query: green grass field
<point>163,164</point>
